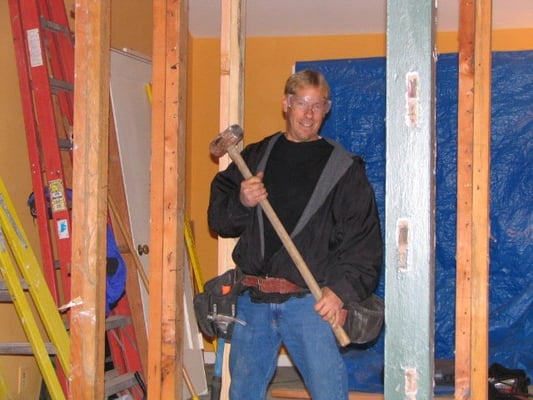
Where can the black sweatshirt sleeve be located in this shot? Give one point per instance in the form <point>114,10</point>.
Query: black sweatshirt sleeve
<point>226,215</point>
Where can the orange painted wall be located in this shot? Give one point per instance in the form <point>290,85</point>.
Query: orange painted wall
<point>268,62</point>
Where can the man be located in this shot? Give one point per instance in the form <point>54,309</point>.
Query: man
<point>322,196</point>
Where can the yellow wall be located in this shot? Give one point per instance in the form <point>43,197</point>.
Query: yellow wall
<point>268,62</point>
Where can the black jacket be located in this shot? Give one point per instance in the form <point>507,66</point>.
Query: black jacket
<point>338,234</point>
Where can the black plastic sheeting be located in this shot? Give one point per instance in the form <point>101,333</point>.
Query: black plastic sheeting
<point>357,120</point>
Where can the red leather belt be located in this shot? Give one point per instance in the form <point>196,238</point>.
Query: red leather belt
<point>271,285</point>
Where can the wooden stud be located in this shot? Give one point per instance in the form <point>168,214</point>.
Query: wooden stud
<point>465,124</point>
<point>473,196</point>
<point>410,202</point>
<point>154,372</point>
<point>89,213</point>
<point>481,200</point>
<point>232,45</point>
<point>304,394</point>
<point>167,199</point>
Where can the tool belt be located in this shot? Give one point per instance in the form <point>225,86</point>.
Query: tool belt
<point>215,308</point>
<point>362,321</point>
<point>271,285</point>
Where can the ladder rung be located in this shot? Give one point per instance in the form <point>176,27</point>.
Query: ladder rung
<point>5,296</point>
<point>54,26</point>
<point>111,374</point>
<point>116,383</point>
<point>116,321</point>
<point>65,144</point>
<point>23,284</point>
<point>58,84</point>
<point>23,348</point>
<point>124,250</point>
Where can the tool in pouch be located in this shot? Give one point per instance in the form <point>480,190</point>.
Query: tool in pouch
<point>216,306</point>
<point>215,310</point>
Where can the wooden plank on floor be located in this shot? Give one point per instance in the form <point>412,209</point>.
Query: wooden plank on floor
<point>303,394</point>
<point>89,212</point>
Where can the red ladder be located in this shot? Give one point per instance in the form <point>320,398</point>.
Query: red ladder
<point>31,29</point>
<point>44,50</point>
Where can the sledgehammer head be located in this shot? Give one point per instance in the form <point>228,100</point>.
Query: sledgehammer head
<point>230,137</point>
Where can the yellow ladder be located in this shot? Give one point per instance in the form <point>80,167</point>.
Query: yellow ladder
<point>13,242</point>
<point>193,255</point>
<point>4,392</point>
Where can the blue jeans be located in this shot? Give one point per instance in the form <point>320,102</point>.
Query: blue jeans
<point>308,339</point>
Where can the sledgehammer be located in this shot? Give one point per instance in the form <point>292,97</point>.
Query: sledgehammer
<point>224,143</point>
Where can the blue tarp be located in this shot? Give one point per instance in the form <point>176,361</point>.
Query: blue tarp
<point>115,272</point>
<point>357,120</point>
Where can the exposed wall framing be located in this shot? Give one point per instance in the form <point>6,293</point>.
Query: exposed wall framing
<point>473,195</point>
<point>89,216</point>
<point>410,199</point>
<point>167,198</point>
<point>169,61</point>
<point>232,47</point>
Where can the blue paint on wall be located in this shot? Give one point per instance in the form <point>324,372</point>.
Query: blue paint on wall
<point>357,120</point>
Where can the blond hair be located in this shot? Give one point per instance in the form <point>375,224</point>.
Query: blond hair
<point>307,78</point>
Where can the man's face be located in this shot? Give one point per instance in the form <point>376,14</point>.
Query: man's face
<point>304,112</point>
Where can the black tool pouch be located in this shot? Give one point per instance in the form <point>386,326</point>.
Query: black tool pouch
<point>364,320</point>
<point>507,384</point>
<point>216,306</point>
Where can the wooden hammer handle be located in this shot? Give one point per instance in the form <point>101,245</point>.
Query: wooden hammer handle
<point>297,258</point>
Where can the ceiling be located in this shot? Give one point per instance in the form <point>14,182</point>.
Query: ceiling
<point>338,17</point>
